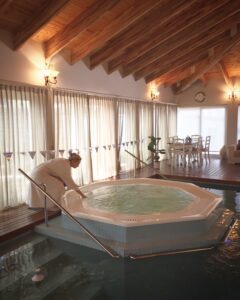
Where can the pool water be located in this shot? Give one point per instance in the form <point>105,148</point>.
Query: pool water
<point>140,199</point>
<point>76,272</point>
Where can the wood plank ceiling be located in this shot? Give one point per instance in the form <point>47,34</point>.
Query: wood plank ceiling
<point>170,42</point>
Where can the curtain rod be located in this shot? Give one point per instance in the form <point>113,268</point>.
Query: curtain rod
<point>18,83</point>
<point>112,95</point>
<point>3,81</point>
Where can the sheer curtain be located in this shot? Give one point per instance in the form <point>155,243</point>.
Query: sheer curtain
<point>36,122</point>
<point>165,123</point>
<point>171,120</point>
<point>127,133</point>
<point>71,128</point>
<point>23,138</point>
<point>102,113</point>
<point>145,129</point>
<point>161,126</point>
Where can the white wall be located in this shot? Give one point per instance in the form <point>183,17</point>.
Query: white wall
<point>216,94</point>
<point>26,65</point>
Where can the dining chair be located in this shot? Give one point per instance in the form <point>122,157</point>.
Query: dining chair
<point>181,153</point>
<point>197,149</point>
<point>196,136</point>
<point>206,148</point>
<point>170,146</point>
<point>172,138</point>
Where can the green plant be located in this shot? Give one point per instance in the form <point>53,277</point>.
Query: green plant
<point>153,147</point>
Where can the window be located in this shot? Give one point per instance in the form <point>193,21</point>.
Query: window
<point>203,121</point>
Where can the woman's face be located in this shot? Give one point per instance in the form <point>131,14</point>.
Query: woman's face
<point>75,163</point>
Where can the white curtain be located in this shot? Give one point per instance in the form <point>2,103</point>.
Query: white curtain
<point>37,124</point>
<point>145,129</point>
<point>165,124</point>
<point>102,112</point>
<point>71,127</point>
<point>171,120</point>
<point>161,126</point>
<point>128,138</point>
<point>22,139</point>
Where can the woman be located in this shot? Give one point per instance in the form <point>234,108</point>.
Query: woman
<point>56,175</point>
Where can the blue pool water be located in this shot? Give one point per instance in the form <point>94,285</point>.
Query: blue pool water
<point>75,272</point>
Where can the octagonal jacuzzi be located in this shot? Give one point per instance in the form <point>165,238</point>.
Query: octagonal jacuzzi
<point>143,216</point>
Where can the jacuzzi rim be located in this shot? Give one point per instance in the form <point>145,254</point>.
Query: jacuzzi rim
<point>147,219</point>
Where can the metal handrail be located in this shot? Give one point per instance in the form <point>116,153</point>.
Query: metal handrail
<point>45,206</point>
<point>167,253</point>
<point>110,252</point>
<point>143,162</point>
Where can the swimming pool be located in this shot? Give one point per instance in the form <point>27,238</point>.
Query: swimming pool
<point>140,224</point>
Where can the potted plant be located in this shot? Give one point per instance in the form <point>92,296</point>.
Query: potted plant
<point>153,146</point>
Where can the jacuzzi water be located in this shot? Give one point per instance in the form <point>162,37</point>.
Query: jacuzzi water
<point>131,199</point>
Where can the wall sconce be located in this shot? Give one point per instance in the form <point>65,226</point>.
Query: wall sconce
<point>50,75</point>
<point>154,93</point>
<point>232,95</point>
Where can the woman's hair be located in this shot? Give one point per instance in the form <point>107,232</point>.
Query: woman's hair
<point>74,156</point>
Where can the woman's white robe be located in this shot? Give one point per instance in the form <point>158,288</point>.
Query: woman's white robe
<point>48,173</point>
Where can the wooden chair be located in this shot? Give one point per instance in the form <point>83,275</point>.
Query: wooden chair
<point>172,138</point>
<point>170,146</point>
<point>181,153</point>
<point>195,136</point>
<point>206,148</point>
<point>197,149</point>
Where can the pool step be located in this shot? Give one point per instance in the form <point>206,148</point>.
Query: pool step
<point>57,230</point>
<point>23,239</point>
<point>64,278</point>
<point>23,260</point>
<point>56,272</point>
<point>90,291</point>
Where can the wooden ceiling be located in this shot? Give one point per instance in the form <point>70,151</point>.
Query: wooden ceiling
<point>170,42</point>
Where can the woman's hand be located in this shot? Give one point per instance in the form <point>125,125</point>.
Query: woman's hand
<point>80,193</point>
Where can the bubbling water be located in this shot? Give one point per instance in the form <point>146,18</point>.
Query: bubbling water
<point>138,199</point>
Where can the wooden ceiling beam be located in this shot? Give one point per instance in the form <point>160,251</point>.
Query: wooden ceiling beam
<point>186,40</point>
<point>62,38</point>
<point>193,19</point>
<point>173,79</point>
<point>4,4</point>
<point>169,38</point>
<point>180,56</point>
<point>204,80</point>
<point>160,15</point>
<point>186,63</point>
<point>225,75</point>
<point>233,41</point>
<point>130,15</point>
<point>48,10</point>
